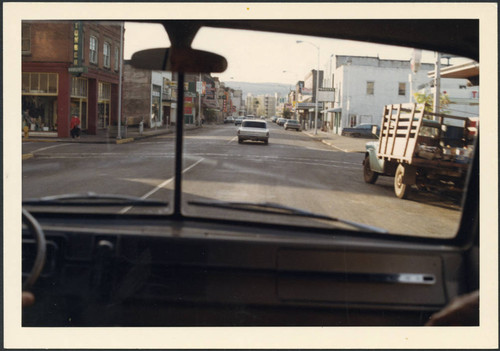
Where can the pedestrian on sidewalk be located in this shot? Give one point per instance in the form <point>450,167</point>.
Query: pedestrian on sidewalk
<point>75,127</point>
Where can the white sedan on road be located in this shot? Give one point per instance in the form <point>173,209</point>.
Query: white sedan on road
<point>254,130</point>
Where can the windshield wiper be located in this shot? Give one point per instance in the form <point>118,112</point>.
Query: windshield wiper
<point>272,208</point>
<point>92,199</point>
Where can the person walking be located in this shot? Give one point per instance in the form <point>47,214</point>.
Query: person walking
<point>75,127</point>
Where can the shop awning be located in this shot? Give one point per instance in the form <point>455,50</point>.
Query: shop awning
<point>336,109</point>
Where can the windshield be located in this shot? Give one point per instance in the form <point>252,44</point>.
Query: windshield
<point>251,124</point>
<point>101,146</point>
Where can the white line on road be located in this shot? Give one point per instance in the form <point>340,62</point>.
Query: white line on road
<point>158,187</point>
<point>49,147</point>
<point>233,139</point>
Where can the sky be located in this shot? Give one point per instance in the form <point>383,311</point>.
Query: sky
<point>266,57</point>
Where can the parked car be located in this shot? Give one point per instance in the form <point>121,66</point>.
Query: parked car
<point>274,118</point>
<point>254,130</point>
<point>238,121</point>
<point>292,124</point>
<point>363,130</point>
<point>281,121</point>
<point>229,119</point>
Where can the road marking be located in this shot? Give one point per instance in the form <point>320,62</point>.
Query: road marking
<point>49,147</point>
<point>158,187</point>
<point>233,139</point>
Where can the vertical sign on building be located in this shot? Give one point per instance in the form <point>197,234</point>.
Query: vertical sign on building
<point>77,43</point>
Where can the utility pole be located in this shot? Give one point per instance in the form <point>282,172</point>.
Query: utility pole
<point>119,135</point>
<point>200,89</point>
<point>317,88</point>
<point>437,84</point>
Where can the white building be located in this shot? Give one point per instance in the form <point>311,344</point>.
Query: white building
<point>364,85</point>
<point>262,105</point>
<point>237,102</point>
<point>461,84</point>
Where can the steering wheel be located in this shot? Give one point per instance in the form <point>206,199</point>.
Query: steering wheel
<point>41,248</point>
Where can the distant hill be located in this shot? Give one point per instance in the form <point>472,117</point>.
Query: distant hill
<point>259,88</point>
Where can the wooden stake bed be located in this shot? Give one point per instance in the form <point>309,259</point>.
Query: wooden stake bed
<point>399,131</point>
<point>400,135</point>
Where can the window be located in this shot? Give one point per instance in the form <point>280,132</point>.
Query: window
<point>106,54</point>
<point>402,89</point>
<point>104,91</point>
<point>93,50</point>
<point>26,39</point>
<point>40,83</point>
<point>79,87</point>
<point>219,174</point>
<point>352,120</point>
<point>370,88</point>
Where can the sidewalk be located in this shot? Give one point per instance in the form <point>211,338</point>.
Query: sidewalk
<point>342,143</point>
<point>109,136</point>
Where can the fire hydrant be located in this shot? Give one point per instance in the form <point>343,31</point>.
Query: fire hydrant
<point>26,131</point>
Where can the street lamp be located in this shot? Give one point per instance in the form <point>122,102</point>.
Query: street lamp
<point>317,89</point>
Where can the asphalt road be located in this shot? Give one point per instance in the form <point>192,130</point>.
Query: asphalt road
<point>292,170</point>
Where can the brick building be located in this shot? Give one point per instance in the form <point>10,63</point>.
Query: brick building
<point>70,68</point>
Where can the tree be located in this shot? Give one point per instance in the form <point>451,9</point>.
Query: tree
<point>428,100</point>
<point>287,113</point>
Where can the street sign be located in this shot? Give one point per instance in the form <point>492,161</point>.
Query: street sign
<point>78,70</point>
<point>326,95</point>
<point>306,105</point>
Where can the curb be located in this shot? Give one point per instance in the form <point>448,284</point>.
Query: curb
<point>329,143</point>
<point>123,141</point>
<point>107,140</point>
<point>40,140</point>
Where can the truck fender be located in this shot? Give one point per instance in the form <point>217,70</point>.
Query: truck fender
<point>376,164</point>
<point>410,175</point>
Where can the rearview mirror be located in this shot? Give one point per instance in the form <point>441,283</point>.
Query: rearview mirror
<point>184,60</point>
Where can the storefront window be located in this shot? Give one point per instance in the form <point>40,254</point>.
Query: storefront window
<point>40,113</point>
<point>40,83</point>
<point>39,101</point>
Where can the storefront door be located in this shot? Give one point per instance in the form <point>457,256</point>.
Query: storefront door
<point>103,114</point>
<point>79,109</point>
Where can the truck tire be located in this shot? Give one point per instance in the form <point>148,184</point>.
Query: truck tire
<point>240,140</point>
<point>369,175</point>
<point>401,189</point>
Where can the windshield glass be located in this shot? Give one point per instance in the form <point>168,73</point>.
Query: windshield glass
<point>251,124</point>
<point>103,147</point>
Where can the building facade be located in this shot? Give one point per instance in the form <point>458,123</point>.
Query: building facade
<point>70,68</point>
<point>148,97</point>
<point>364,85</point>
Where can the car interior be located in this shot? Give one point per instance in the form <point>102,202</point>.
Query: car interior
<point>182,270</point>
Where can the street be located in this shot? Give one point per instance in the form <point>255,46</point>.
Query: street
<point>292,170</point>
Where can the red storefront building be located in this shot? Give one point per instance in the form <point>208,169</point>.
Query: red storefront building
<point>70,68</point>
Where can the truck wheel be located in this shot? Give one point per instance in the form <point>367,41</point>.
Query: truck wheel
<point>369,175</point>
<point>240,140</point>
<point>400,189</point>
